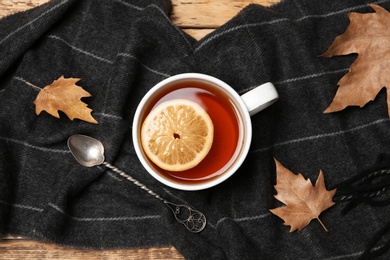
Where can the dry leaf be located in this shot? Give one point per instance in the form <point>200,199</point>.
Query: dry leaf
<point>64,95</point>
<point>304,202</point>
<point>368,35</point>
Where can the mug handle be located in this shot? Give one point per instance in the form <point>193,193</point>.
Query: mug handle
<point>260,97</point>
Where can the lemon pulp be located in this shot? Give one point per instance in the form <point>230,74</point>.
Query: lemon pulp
<point>177,135</point>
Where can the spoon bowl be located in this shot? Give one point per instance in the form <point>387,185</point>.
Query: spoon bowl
<point>88,151</point>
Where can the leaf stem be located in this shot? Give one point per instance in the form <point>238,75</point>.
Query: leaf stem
<point>322,224</point>
<point>32,85</point>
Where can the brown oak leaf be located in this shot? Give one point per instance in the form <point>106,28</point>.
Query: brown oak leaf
<point>303,201</point>
<point>368,35</point>
<point>64,95</point>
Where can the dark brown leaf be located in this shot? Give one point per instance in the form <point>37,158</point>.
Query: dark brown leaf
<point>304,202</point>
<point>368,35</point>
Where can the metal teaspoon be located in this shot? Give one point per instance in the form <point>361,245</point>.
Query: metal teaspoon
<point>89,152</point>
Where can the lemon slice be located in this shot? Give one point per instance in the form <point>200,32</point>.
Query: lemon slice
<point>177,135</point>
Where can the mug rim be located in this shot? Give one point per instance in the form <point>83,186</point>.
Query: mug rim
<point>239,102</point>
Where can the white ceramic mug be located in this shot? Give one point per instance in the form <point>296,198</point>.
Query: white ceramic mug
<point>245,106</point>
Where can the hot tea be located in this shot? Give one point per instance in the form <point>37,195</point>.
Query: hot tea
<point>227,124</point>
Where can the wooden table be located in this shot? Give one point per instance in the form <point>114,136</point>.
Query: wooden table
<point>197,18</point>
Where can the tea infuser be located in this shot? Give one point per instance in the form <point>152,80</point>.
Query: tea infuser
<point>89,152</point>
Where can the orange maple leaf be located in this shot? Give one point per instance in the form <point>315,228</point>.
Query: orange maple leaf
<point>368,35</point>
<point>304,202</point>
<point>64,95</point>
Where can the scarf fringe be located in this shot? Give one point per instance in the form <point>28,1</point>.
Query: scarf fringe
<point>369,187</point>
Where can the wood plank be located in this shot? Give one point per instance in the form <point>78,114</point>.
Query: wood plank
<point>209,14</point>
<point>198,33</point>
<point>25,249</point>
<point>8,7</point>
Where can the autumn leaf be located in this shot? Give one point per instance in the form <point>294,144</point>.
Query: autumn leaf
<point>368,35</point>
<point>64,95</point>
<point>303,201</point>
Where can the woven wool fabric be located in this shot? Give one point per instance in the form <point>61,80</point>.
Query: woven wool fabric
<point>120,49</point>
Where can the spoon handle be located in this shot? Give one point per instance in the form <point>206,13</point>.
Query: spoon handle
<point>129,178</point>
<point>193,220</point>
